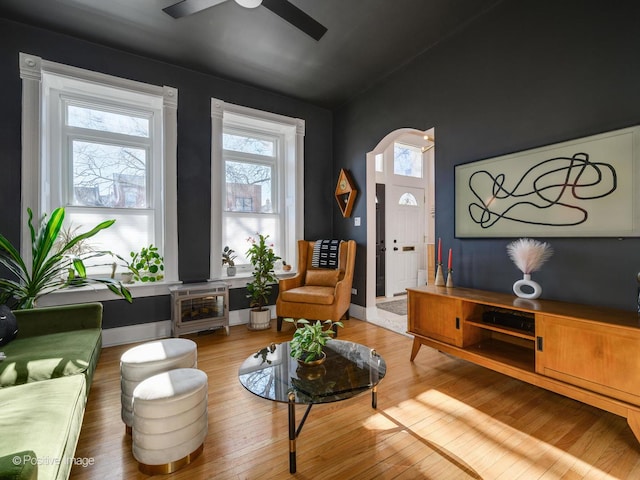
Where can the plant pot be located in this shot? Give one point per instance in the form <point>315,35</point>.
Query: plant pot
<point>260,319</point>
<point>311,373</point>
<point>286,268</point>
<point>126,277</point>
<point>231,271</point>
<point>313,363</point>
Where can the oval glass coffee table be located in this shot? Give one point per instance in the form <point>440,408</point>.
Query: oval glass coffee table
<point>349,370</point>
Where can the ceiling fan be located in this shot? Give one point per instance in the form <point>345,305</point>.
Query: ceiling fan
<point>283,8</point>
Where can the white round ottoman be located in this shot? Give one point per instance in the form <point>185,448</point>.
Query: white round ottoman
<point>169,420</point>
<point>143,361</point>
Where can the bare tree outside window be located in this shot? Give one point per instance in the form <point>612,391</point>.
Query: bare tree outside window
<point>248,181</point>
<point>108,174</point>
<point>112,171</point>
<point>104,121</point>
<point>249,184</point>
<point>247,144</point>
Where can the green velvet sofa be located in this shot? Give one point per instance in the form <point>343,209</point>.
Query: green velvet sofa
<point>44,384</point>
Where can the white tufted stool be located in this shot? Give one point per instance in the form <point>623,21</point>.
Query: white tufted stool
<point>148,359</point>
<point>169,420</point>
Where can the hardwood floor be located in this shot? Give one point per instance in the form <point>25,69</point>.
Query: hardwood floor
<point>437,418</point>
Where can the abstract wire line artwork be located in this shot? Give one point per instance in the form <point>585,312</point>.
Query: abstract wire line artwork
<point>584,187</point>
<point>557,183</point>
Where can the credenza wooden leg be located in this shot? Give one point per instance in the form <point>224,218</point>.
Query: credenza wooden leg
<point>415,348</point>
<point>633,419</point>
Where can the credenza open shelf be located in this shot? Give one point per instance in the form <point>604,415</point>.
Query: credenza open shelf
<point>587,353</point>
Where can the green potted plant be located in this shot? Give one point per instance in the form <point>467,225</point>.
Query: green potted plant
<point>228,257</point>
<point>54,265</point>
<point>263,259</point>
<point>309,340</point>
<point>147,265</point>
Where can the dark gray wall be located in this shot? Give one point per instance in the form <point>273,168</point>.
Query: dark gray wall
<point>527,73</point>
<point>194,147</point>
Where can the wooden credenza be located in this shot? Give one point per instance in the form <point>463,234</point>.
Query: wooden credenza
<point>588,353</point>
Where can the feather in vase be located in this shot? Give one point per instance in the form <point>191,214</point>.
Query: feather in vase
<point>529,254</point>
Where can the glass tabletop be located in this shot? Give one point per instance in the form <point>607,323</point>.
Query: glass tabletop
<point>350,369</point>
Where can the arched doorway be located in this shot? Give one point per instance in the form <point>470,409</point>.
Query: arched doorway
<point>424,141</point>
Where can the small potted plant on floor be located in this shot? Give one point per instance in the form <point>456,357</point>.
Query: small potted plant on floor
<point>263,259</point>
<point>228,257</point>
<point>309,340</point>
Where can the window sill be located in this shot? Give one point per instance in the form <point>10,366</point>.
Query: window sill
<point>240,279</point>
<point>100,293</point>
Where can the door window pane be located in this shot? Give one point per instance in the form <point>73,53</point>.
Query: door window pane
<point>379,162</point>
<point>407,160</point>
<point>407,199</point>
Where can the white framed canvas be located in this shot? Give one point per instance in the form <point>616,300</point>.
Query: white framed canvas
<point>584,187</point>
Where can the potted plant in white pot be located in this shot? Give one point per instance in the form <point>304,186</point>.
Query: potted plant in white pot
<point>228,257</point>
<point>263,259</point>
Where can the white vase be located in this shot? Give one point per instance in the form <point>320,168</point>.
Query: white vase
<point>260,319</point>
<point>529,284</point>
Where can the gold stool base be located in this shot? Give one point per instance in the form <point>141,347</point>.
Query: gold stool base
<point>172,466</point>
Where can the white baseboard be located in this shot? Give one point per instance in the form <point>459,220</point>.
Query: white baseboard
<point>136,333</point>
<point>155,330</point>
<point>358,312</point>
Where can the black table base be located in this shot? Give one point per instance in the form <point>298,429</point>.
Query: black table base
<point>293,432</point>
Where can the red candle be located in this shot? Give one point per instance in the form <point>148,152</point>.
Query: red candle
<point>439,251</point>
<point>449,259</point>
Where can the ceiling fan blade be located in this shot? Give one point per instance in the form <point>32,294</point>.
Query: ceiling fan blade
<point>296,17</point>
<point>189,7</point>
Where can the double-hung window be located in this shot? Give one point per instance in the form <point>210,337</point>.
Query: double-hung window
<point>257,180</point>
<point>106,150</point>
<point>252,200</point>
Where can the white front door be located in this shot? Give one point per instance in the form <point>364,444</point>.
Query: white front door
<point>405,234</point>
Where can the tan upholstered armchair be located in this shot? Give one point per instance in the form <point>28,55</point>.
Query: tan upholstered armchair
<point>317,293</point>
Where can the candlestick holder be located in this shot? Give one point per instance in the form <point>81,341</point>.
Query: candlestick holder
<point>439,276</point>
<point>450,279</point>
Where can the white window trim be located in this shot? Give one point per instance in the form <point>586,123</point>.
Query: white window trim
<point>293,130</point>
<point>31,69</point>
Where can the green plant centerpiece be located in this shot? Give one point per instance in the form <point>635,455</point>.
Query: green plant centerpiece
<point>147,265</point>
<point>262,258</point>
<point>228,257</point>
<point>310,338</point>
<point>56,262</point>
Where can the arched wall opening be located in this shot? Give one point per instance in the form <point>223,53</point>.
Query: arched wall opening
<point>426,139</point>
